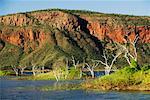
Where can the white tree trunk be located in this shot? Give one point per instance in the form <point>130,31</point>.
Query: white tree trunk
<point>55,75</point>
<point>42,69</point>
<point>107,70</point>
<point>80,73</point>
<point>33,70</point>
<point>16,71</point>
<point>92,73</point>
<point>22,70</point>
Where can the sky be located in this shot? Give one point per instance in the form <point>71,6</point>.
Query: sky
<point>130,7</point>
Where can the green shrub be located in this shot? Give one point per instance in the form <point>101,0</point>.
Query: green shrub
<point>4,73</point>
<point>74,73</point>
<point>146,79</point>
<point>145,67</point>
<point>122,79</point>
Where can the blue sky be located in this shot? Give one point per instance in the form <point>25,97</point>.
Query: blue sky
<point>132,7</point>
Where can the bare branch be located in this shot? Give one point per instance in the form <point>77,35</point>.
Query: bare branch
<point>96,65</point>
<point>102,62</point>
<point>91,69</point>
<point>75,64</point>
<point>136,39</point>
<point>114,59</point>
<point>104,56</point>
<point>128,54</point>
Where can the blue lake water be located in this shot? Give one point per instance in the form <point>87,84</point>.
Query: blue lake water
<point>12,90</point>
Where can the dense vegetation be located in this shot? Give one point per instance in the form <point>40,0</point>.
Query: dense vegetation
<point>125,79</point>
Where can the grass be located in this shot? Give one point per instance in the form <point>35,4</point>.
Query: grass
<point>46,55</point>
<point>4,73</point>
<point>124,79</point>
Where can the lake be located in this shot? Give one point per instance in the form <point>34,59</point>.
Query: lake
<point>29,90</point>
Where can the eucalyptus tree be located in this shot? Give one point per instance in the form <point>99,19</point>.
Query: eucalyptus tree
<point>91,67</point>
<point>109,58</point>
<point>130,49</point>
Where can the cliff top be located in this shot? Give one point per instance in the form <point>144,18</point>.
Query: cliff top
<point>129,19</point>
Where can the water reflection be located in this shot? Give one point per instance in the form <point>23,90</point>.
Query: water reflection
<point>29,90</point>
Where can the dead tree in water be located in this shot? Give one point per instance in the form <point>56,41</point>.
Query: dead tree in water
<point>33,70</point>
<point>22,69</point>
<point>92,67</point>
<point>56,75</point>
<point>108,63</point>
<point>61,73</point>
<point>77,65</point>
<point>15,69</point>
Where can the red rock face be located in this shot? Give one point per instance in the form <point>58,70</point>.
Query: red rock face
<point>104,31</point>
<point>25,38</point>
<point>68,22</point>
<point>144,33</point>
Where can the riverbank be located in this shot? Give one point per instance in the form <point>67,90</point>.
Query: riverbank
<point>124,79</point>
<point>128,78</point>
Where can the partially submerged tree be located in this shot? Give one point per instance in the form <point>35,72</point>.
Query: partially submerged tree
<point>91,67</point>
<point>61,72</point>
<point>22,68</point>
<point>34,68</point>
<point>15,69</point>
<point>57,73</point>
<point>77,67</point>
<point>109,58</point>
<point>18,69</point>
<point>66,72</point>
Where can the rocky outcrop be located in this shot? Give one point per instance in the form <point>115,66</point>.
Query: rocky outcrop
<point>102,28</point>
<point>106,31</point>
<point>61,20</point>
<point>16,20</point>
<point>24,37</point>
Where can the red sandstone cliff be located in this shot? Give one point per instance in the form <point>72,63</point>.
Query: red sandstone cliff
<point>20,29</point>
<point>117,32</point>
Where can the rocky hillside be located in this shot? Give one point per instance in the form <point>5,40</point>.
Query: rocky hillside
<point>48,37</point>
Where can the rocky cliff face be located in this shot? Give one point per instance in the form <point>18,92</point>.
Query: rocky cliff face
<point>115,31</point>
<point>70,31</point>
<point>100,27</point>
